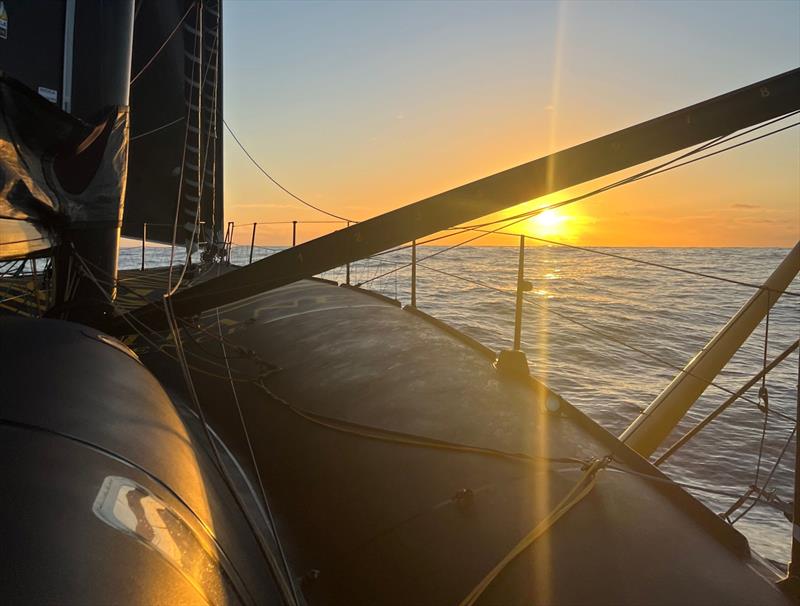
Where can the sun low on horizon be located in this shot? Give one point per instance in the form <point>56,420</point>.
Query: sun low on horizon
<point>551,223</point>
<point>362,134</point>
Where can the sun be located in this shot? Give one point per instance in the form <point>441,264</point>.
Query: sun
<point>548,223</point>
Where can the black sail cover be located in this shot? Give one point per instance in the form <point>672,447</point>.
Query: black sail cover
<point>175,163</point>
<point>56,171</point>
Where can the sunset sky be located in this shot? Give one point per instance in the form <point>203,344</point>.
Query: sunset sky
<point>364,107</point>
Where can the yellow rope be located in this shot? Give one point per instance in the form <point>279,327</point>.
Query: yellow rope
<point>582,488</point>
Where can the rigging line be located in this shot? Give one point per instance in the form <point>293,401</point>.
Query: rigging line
<point>577,493</point>
<point>763,396</point>
<point>267,507</point>
<point>654,264</point>
<point>722,407</point>
<point>161,48</point>
<point>444,250</point>
<point>667,166</point>
<point>377,433</point>
<point>641,175</point>
<point>763,488</point>
<point>157,347</point>
<point>155,130</point>
<point>288,592</point>
<point>202,156</point>
<point>537,211</point>
<point>409,439</point>
<point>270,177</point>
<point>522,216</point>
<point>593,330</point>
<point>671,482</point>
<point>664,167</point>
<point>183,165</point>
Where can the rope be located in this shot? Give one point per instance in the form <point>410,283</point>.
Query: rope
<point>256,467</point>
<point>763,396</point>
<point>407,439</point>
<point>669,165</point>
<point>365,430</point>
<point>155,130</point>
<point>654,264</point>
<point>722,407</point>
<point>592,330</point>
<point>289,593</point>
<point>576,494</point>
<point>161,48</point>
<point>183,160</point>
<point>271,178</point>
<point>201,159</point>
<point>760,491</point>
<point>671,482</point>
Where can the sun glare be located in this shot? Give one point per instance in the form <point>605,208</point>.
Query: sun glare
<point>549,223</point>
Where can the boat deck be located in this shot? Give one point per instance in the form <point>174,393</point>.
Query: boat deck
<point>401,467</point>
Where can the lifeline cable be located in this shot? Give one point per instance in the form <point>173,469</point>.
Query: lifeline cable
<point>595,331</point>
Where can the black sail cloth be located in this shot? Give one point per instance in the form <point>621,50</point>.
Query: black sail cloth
<point>57,173</point>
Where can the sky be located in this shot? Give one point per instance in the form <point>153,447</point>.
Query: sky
<point>362,107</point>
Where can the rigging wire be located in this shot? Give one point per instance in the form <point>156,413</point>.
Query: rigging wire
<point>290,594</point>
<point>202,155</point>
<point>761,490</point>
<point>722,407</point>
<point>600,333</point>
<point>365,430</point>
<point>271,178</point>
<point>636,177</point>
<point>290,598</point>
<point>183,162</point>
<point>763,396</point>
<point>161,48</point>
<point>654,264</point>
<point>157,129</point>
<point>267,508</point>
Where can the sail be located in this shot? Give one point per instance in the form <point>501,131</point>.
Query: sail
<point>63,134</point>
<point>58,174</point>
<point>175,163</point>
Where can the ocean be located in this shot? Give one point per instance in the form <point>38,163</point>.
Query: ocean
<point>608,334</point>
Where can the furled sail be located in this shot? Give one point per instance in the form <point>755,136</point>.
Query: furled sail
<point>63,135</point>
<point>57,173</point>
<point>175,169</point>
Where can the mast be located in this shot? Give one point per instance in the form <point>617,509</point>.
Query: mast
<point>96,81</point>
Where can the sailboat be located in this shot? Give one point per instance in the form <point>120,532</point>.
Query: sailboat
<point>208,433</point>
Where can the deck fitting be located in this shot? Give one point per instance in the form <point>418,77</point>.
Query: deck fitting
<point>512,363</point>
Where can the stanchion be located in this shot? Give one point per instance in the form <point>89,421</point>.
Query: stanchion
<point>144,242</point>
<point>414,273</point>
<point>513,362</point>
<point>252,242</point>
